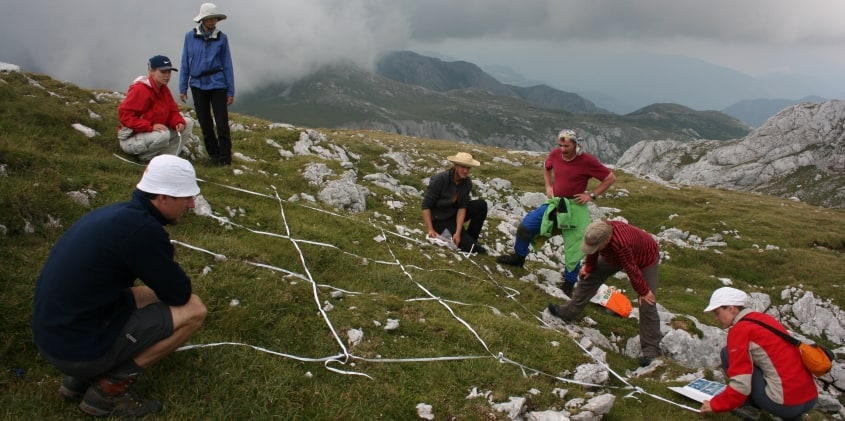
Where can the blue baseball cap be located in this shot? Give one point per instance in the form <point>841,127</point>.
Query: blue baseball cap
<point>161,63</point>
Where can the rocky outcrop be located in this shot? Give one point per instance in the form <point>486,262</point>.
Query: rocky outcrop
<point>800,153</point>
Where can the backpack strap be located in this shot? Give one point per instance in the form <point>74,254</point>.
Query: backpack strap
<point>785,337</point>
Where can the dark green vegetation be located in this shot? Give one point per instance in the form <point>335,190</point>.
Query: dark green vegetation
<point>43,158</point>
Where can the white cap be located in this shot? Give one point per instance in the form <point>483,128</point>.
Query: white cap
<point>727,296</point>
<point>169,175</point>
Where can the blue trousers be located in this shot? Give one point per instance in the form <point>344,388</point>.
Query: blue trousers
<point>572,237</point>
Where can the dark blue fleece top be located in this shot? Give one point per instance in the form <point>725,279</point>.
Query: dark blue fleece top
<point>81,297</point>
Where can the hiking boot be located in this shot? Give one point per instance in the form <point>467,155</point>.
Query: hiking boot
<point>553,309</point>
<point>475,248</point>
<point>218,161</point>
<point>110,397</point>
<point>511,260</point>
<point>645,361</point>
<point>747,412</point>
<point>73,388</point>
<point>567,288</point>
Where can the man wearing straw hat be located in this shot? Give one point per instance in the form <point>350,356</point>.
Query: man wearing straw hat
<point>447,205</point>
<point>91,321</point>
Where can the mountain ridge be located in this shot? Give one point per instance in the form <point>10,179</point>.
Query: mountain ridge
<point>347,96</point>
<point>755,112</point>
<point>799,153</point>
<point>433,73</point>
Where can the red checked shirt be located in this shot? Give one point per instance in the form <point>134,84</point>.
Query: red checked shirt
<point>630,248</point>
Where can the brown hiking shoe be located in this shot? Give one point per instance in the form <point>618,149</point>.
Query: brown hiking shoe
<point>511,260</point>
<point>118,398</point>
<point>73,388</point>
<point>555,311</point>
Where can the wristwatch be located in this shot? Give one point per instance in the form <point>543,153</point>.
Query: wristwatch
<point>593,196</point>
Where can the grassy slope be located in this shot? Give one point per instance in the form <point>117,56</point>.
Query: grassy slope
<point>44,158</point>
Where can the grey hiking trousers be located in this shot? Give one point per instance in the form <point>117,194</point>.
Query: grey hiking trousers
<point>150,144</point>
<point>585,289</point>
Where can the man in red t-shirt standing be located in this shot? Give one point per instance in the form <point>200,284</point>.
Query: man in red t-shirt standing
<point>566,173</point>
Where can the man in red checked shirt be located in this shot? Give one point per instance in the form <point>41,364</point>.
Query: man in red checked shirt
<point>611,246</point>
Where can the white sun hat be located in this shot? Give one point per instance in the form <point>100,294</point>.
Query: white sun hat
<point>727,296</point>
<point>171,176</point>
<point>208,10</point>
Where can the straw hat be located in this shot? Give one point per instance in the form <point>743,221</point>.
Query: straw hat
<point>463,158</point>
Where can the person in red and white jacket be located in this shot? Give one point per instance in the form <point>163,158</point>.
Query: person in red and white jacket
<point>150,121</point>
<point>764,371</point>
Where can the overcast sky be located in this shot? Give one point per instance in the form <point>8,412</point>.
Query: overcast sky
<point>105,43</point>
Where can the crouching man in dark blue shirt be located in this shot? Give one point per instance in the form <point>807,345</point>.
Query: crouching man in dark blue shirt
<point>91,321</point>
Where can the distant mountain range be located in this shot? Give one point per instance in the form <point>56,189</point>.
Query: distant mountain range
<point>628,80</point>
<point>441,76</point>
<point>755,112</point>
<point>427,97</point>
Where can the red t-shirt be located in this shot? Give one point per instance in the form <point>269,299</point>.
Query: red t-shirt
<point>571,177</point>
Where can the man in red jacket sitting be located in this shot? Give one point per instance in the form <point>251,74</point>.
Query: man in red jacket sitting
<point>150,122</point>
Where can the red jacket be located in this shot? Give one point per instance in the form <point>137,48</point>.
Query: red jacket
<point>749,345</point>
<point>146,105</point>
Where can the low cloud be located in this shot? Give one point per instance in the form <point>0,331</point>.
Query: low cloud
<point>105,44</point>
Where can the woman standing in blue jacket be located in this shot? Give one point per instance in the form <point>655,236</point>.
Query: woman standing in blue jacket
<point>207,69</point>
